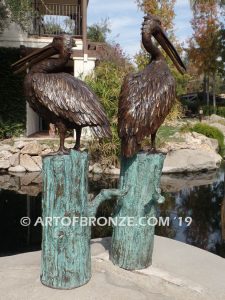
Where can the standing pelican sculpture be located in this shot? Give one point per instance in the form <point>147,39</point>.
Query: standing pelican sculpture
<point>147,97</point>
<point>59,97</point>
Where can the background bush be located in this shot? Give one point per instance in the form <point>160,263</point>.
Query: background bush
<point>9,129</point>
<point>211,132</point>
<point>12,100</point>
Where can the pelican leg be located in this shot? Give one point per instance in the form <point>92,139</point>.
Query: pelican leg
<point>152,150</point>
<point>62,134</point>
<point>153,137</point>
<point>78,135</point>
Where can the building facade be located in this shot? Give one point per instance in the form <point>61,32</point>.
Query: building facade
<point>54,17</point>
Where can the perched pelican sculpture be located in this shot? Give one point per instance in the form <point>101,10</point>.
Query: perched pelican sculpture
<point>147,97</point>
<point>59,97</point>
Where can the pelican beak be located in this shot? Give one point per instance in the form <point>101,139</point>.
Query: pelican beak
<point>163,40</point>
<point>33,58</point>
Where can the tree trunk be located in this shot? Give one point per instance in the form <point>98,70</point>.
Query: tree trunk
<point>132,246</point>
<point>214,93</point>
<point>205,88</point>
<point>66,258</point>
<point>207,93</point>
<point>223,214</point>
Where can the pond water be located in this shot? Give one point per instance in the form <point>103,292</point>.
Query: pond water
<point>198,196</point>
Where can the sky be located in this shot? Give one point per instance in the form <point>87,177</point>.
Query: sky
<point>125,21</point>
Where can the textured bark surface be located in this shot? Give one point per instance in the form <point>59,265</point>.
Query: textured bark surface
<point>65,249</point>
<point>66,260</point>
<point>132,246</point>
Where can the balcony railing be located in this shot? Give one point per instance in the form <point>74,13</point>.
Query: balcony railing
<point>53,19</point>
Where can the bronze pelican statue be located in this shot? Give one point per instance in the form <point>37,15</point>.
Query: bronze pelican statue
<point>59,97</point>
<point>147,97</point>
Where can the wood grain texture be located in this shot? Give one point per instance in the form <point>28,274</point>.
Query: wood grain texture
<point>132,246</point>
<point>66,259</point>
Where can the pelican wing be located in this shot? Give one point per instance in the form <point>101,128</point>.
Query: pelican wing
<point>144,103</point>
<point>69,98</point>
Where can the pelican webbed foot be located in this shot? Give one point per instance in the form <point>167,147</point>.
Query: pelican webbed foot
<point>60,151</point>
<point>152,151</point>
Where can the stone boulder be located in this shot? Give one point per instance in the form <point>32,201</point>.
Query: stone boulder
<point>20,144</point>
<point>5,154</point>
<point>28,163</point>
<point>4,164</point>
<point>219,126</point>
<point>191,160</point>
<point>33,148</point>
<point>4,159</point>
<point>17,169</point>
<point>14,159</point>
<point>112,170</point>
<point>38,161</point>
<point>216,118</point>
<point>46,152</point>
<point>97,168</point>
<point>4,147</point>
<point>192,140</point>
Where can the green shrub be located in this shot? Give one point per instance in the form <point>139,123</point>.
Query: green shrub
<point>211,132</point>
<point>208,110</point>
<point>12,100</point>
<point>10,129</point>
<point>221,111</point>
<point>106,81</point>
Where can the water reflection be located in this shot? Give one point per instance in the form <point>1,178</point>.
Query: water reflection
<point>200,196</point>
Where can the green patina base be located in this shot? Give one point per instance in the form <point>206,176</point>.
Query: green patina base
<point>132,246</point>
<point>66,258</point>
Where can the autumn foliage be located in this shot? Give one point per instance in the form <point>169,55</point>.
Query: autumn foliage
<point>162,8</point>
<point>203,46</point>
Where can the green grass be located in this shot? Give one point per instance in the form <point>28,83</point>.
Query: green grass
<point>166,134</point>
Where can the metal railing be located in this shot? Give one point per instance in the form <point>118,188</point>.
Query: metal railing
<point>53,19</point>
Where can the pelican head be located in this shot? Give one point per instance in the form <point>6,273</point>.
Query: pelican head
<point>61,45</point>
<point>152,27</point>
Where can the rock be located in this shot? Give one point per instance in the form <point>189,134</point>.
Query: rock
<point>112,171</point>
<point>29,178</point>
<point>4,147</point>
<point>17,169</point>
<point>189,160</point>
<point>214,144</point>
<point>38,178</point>
<point>20,144</point>
<point>38,161</point>
<point>192,141</point>
<point>91,197</point>
<point>90,169</point>
<point>5,154</point>
<point>219,126</point>
<point>4,164</point>
<point>4,159</point>
<point>46,152</point>
<point>33,148</point>
<point>14,149</point>
<point>14,159</point>
<point>97,169</point>
<point>96,177</point>
<point>27,162</point>
<point>216,118</point>
<point>69,145</point>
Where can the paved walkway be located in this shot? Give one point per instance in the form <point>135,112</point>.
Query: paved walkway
<point>179,272</point>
